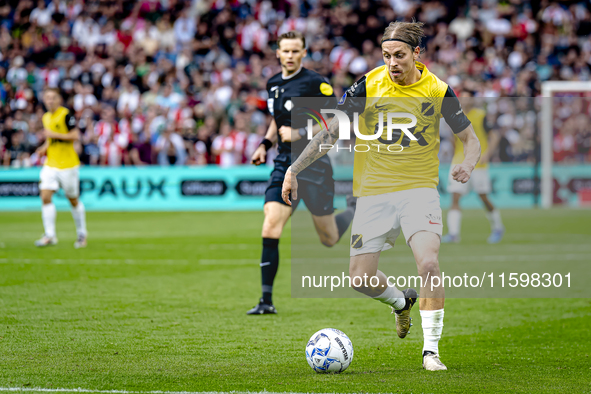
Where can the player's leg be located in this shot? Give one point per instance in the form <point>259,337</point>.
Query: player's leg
<point>454,215</point>
<point>375,228</point>
<point>494,217</point>
<point>276,215</point>
<point>425,248</point>
<point>483,187</point>
<point>420,219</point>
<point>454,220</point>
<point>79,216</point>
<point>367,279</point>
<point>320,199</point>
<point>70,183</point>
<point>48,185</point>
<point>48,215</point>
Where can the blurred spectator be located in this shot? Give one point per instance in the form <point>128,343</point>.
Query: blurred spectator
<point>228,146</point>
<point>170,147</point>
<point>17,150</point>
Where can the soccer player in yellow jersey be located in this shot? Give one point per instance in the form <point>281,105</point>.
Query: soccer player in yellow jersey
<point>61,168</point>
<point>480,179</point>
<point>397,189</point>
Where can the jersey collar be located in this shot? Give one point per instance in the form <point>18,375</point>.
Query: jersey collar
<point>292,75</point>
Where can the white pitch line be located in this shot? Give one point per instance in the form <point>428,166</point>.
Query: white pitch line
<point>500,258</point>
<point>168,247</point>
<point>95,261</point>
<point>229,261</point>
<point>81,390</point>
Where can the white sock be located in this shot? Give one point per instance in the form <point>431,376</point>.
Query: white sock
<point>393,297</point>
<point>494,218</point>
<point>48,215</point>
<point>454,221</point>
<point>79,215</point>
<point>432,322</point>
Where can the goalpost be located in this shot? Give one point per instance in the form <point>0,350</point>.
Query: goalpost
<point>547,137</point>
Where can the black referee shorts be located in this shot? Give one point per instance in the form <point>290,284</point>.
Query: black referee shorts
<point>318,197</point>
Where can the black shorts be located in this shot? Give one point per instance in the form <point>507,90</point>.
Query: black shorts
<point>318,198</point>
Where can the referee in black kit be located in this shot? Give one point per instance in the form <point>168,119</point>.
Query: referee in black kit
<point>316,183</point>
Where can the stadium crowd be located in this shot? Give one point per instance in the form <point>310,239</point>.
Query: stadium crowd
<point>170,82</point>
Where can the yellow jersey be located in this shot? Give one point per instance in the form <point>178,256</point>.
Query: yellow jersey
<point>478,118</point>
<point>395,161</point>
<point>60,153</point>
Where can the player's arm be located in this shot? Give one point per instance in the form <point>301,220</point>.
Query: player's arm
<point>494,138</point>
<point>260,154</point>
<point>41,150</point>
<point>319,88</point>
<point>313,151</point>
<point>290,135</point>
<point>462,128</point>
<point>73,133</point>
<point>461,172</point>
<point>324,140</point>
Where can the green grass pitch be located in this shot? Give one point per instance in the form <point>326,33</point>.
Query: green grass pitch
<point>157,302</point>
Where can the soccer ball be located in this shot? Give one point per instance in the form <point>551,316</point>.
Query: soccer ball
<point>329,351</point>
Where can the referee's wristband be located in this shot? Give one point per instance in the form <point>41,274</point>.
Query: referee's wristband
<point>268,144</point>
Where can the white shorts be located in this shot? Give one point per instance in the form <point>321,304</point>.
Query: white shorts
<point>54,178</point>
<point>479,182</point>
<point>379,219</point>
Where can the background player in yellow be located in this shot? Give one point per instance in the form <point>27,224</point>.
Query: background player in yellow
<point>61,169</point>
<point>398,190</point>
<point>480,179</point>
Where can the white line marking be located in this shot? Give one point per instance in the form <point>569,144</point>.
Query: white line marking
<point>81,390</point>
<point>445,259</point>
<point>229,261</point>
<point>168,247</point>
<point>95,261</point>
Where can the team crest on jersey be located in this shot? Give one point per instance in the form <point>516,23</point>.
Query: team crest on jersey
<point>342,100</point>
<point>356,241</point>
<point>288,105</point>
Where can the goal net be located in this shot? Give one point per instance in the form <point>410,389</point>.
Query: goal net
<point>565,142</point>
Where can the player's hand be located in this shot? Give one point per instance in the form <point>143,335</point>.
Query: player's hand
<point>50,134</point>
<point>290,185</point>
<point>259,156</point>
<point>41,150</point>
<point>286,134</point>
<point>462,172</point>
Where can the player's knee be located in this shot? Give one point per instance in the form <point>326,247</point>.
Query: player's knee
<point>429,265</point>
<point>328,241</point>
<point>272,228</point>
<point>270,231</point>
